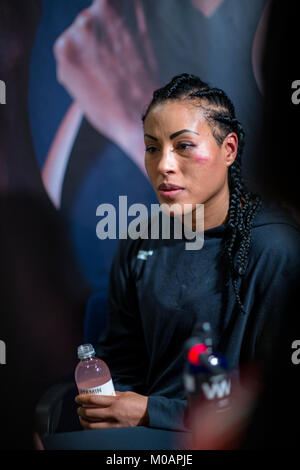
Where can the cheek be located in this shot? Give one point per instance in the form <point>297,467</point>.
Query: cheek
<point>148,165</point>
<point>201,158</point>
<point>206,170</point>
<point>151,172</point>
<point>207,162</point>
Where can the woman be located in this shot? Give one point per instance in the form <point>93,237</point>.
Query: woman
<point>238,281</point>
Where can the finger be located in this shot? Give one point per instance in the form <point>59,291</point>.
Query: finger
<point>83,22</point>
<point>100,425</point>
<point>80,18</point>
<point>60,42</point>
<point>107,23</point>
<point>65,46</point>
<point>95,400</point>
<point>142,28</point>
<point>95,414</point>
<point>140,16</point>
<point>87,425</point>
<point>98,6</point>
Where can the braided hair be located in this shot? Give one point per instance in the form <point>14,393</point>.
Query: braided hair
<point>243,204</point>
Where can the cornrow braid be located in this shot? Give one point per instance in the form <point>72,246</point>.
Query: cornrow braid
<point>243,204</point>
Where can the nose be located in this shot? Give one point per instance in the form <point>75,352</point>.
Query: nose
<point>168,162</point>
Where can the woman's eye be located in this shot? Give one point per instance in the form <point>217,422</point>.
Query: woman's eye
<point>185,145</point>
<point>150,149</point>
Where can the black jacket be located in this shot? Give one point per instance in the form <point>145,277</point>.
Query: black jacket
<point>156,297</point>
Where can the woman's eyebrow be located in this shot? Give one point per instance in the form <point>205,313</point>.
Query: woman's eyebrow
<point>172,136</point>
<point>151,137</point>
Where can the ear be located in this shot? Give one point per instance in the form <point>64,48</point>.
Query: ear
<point>230,146</point>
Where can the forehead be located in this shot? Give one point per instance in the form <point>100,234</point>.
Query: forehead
<point>175,115</point>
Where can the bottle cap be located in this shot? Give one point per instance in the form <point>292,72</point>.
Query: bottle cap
<point>201,334</point>
<point>195,351</point>
<point>202,327</point>
<point>84,351</point>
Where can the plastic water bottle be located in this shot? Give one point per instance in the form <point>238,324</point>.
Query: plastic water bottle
<point>92,375</point>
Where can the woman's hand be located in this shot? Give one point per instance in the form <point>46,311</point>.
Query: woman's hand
<point>108,75</point>
<point>126,409</point>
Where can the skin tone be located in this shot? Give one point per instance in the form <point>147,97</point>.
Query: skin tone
<point>101,411</point>
<point>109,78</point>
<point>127,408</point>
<point>181,150</point>
<point>89,62</point>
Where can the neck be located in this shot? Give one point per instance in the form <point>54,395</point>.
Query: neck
<point>215,209</point>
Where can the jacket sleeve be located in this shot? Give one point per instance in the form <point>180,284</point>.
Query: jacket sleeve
<point>277,285</point>
<point>278,307</point>
<point>122,344</point>
<point>167,413</point>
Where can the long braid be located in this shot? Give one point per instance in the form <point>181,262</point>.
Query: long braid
<point>243,204</point>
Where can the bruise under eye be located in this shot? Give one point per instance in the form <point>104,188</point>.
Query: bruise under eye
<point>193,151</point>
<point>200,157</point>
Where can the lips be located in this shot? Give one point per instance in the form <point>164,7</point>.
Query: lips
<point>169,191</point>
<point>168,187</point>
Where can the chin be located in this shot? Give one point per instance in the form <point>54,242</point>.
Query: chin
<point>171,210</point>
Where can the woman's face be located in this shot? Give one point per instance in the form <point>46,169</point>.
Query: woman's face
<point>182,158</point>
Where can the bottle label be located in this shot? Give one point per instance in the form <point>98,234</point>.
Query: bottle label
<point>105,389</point>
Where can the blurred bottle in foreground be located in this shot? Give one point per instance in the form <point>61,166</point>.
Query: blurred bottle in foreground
<point>206,377</point>
<point>92,375</point>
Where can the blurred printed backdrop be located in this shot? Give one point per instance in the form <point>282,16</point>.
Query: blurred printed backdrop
<point>79,75</point>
